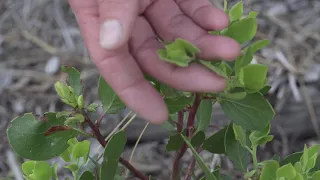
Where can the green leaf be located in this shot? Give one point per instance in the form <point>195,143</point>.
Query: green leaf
<point>253,14</point>
<point>265,89</point>
<point>233,96</point>
<point>287,171</point>
<point>200,162</point>
<point>240,135</point>
<point>225,67</point>
<point>269,170</point>
<point>42,171</point>
<point>243,60</point>
<point>93,107</point>
<point>87,176</point>
<point>198,139</point>
<point>316,176</point>
<point>174,143</point>
<point>243,30</point>
<point>55,171</point>
<point>292,158</point>
<point>204,114</point>
<point>253,76</point>
<point>81,149</point>
<point>249,174</point>
<point>260,137</point>
<point>27,136</point>
<point>176,104</point>
<point>179,52</point>
<point>27,167</point>
<point>214,68</point>
<point>236,12</point>
<point>73,79</point>
<point>252,113</point>
<point>112,154</point>
<point>256,46</point>
<point>235,152</point>
<point>215,143</point>
<point>110,100</point>
<point>72,167</point>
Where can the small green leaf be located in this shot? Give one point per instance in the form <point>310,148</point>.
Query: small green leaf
<point>215,143</point>
<point>292,158</point>
<point>236,12</point>
<point>93,107</point>
<point>200,162</point>
<point>72,167</point>
<point>287,171</point>
<point>253,76</point>
<point>256,46</point>
<point>73,79</point>
<point>265,89</point>
<point>204,114</point>
<point>27,167</point>
<point>82,149</point>
<point>240,135</point>
<point>32,132</point>
<point>41,171</point>
<point>269,170</point>
<point>252,113</point>
<point>55,171</point>
<point>174,143</point>
<point>214,68</point>
<point>235,152</point>
<point>316,176</point>
<point>112,154</point>
<point>110,100</point>
<point>260,137</point>
<point>176,104</point>
<point>233,96</point>
<point>243,30</point>
<point>198,139</point>
<point>225,67</point>
<point>179,52</point>
<point>253,14</point>
<point>249,174</point>
<point>243,60</point>
<point>86,176</point>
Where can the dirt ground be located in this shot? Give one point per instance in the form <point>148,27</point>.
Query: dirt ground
<point>38,36</point>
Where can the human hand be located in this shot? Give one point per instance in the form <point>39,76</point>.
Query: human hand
<point>121,36</point>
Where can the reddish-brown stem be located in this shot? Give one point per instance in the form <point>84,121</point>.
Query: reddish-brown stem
<point>190,168</point>
<point>98,122</point>
<point>180,121</point>
<point>99,137</point>
<point>192,114</point>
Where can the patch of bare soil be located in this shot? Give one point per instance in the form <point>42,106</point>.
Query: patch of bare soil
<point>38,36</point>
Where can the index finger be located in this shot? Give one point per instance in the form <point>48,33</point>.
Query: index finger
<point>118,67</point>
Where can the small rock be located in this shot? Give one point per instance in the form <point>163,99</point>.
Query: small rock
<point>52,65</point>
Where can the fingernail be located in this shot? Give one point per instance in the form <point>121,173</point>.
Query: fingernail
<point>110,34</point>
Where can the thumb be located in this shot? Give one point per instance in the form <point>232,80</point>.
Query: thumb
<point>116,18</point>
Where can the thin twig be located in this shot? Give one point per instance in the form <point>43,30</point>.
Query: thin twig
<point>183,149</point>
<point>103,143</point>
<point>192,114</point>
<point>190,168</point>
